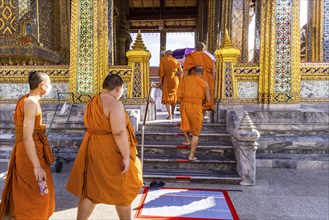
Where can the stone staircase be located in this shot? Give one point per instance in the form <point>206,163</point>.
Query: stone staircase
<point>166,159</point>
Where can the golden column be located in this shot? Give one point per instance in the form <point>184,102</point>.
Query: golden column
<point>225,84</point>
<point>315,30</point>
<point>279,80</point>
<point>139,58</point>
<point>88,47</point>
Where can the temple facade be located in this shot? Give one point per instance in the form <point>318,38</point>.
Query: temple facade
<point>78,42</point>
<point>283,81</point>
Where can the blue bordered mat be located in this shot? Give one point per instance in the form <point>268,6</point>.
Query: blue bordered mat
<point>181,203</point>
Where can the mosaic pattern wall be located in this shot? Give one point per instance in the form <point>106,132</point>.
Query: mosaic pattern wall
<point>326,31</point>
<point>8,16</point>
<point>282,80</point>
<point>85,75</point>
<point>247,89</point>
<point>137,80</point>
<point>228,90</point>
<point>237,23</point>
<point>23,7</point>
<point>46,14</point>
<point>314,89</point>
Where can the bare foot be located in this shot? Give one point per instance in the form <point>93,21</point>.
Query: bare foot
<point>192,159</point>
<point>186,143</point>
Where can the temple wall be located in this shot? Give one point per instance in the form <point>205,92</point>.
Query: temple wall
<point>247,89</point>
<point>46,9</point>
<point>9,91</point>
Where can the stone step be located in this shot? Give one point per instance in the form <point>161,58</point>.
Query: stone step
<point>179,136</point>
<point>293,161</point>
<point>174,127</point>
<point>180,161</point>
<point>191,176</point>
<point>208,148</point>
<point>293,144</point>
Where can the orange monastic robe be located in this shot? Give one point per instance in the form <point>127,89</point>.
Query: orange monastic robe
<point>169,78</point>
<point>97,167</point>
<point>191,93</point>
<point>199,58</point>
<point>21,198</point>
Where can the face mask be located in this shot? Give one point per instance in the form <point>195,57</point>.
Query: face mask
<point>49,87</point>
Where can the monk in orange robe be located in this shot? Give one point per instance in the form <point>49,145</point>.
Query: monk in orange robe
<point>170,72</point>
<point>30,159</point>
<point>192,92</point>
<point>199,58</point>
<point>106,169</point>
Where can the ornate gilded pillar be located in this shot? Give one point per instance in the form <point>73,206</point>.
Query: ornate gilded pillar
<point>325,40</point>
<point>226,12</point>
<point>62,25</point>
<point>139,62</point>
<point>89,50</point>
<point>315,30</point>
<point>110,32</point>
<point>121,35</point>
<point>211,42</point>
<point>240,27</point>
<point>214,8</point>
<point>201,21</point>
<point>225,84</point>
<point>279,81</point>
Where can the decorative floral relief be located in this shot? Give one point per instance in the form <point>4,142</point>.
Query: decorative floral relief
<point>314,89</point>
<point>247,89</point>
<point>13,91</point>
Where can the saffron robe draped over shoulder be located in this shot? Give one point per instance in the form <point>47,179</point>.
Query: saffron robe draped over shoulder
<point>21,197</point>
<point>199,58</point>
<point>96,173</point>
<point>169,79</point>
<point>191,93</point>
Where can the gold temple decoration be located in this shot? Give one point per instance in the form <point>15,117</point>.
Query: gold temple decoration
<point>139,58</point>
<point>272,59</point>
<point>88,47</point>
<point>139,44</point>
<point>226,83</point>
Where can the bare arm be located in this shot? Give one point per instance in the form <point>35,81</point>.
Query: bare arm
<point>180,90</point>
<point>207,92</point>
<point>180,71</point>
<point>118,125</point>
<point>30,111</point>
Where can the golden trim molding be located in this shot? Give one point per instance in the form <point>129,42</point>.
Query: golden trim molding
<point>315,77</point>
<point>247,77</point>
<point>19,74</point>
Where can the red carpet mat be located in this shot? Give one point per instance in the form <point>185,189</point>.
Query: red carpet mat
<point>174,203</point>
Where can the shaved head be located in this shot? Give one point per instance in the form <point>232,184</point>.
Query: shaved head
<point>35,78</point>
<point>168,52</point>
<point>112,81</point>
<point>200,46</point>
